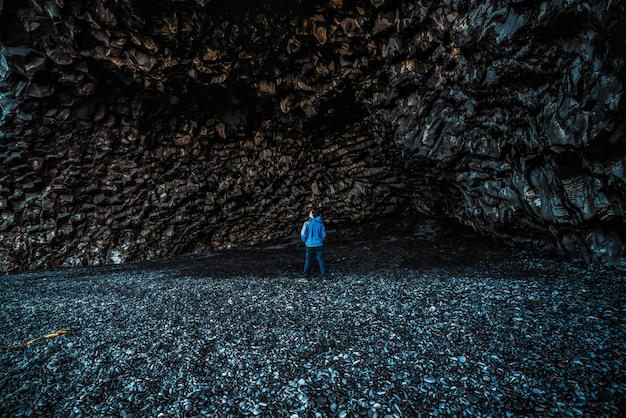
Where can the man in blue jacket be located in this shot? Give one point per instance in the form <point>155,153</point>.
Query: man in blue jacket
<point>313,234</point>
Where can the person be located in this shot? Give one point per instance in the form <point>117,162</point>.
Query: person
<point>313,235</point>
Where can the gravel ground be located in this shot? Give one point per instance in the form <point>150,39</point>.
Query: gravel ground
<point>417,318</point>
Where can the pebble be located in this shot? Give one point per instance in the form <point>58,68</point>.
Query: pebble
<point>387,343</point>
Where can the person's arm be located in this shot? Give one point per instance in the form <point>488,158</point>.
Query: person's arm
<point>323,232</point>
<point>303,232</point>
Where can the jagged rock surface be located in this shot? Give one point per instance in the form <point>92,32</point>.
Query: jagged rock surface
<point>141,130</point>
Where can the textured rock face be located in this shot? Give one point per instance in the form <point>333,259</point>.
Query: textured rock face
<point>139,130</point>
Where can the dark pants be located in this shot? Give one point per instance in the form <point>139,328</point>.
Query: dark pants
<point>317,252</point>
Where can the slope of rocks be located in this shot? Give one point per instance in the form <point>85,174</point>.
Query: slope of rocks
<point>141,130</point>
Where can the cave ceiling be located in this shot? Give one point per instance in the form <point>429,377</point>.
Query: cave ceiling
<point>136,130</point>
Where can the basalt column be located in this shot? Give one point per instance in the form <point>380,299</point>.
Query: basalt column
<point>135,130</point>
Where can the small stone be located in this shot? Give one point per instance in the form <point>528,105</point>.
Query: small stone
<point>188,405</point>
<point>472,398</point>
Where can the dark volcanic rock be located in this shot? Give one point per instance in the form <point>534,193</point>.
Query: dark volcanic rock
<point>141,130</point>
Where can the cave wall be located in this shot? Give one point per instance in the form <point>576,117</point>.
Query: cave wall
<point>142,130</point>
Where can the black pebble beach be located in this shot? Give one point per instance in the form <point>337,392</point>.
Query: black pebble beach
<point>415,319</point>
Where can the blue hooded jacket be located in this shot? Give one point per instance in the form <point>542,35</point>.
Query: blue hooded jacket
<point>313,232</point>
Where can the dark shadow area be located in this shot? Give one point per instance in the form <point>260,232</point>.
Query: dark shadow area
<point>406,244</point>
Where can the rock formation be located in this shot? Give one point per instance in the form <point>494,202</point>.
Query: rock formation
<point>135,130</point>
